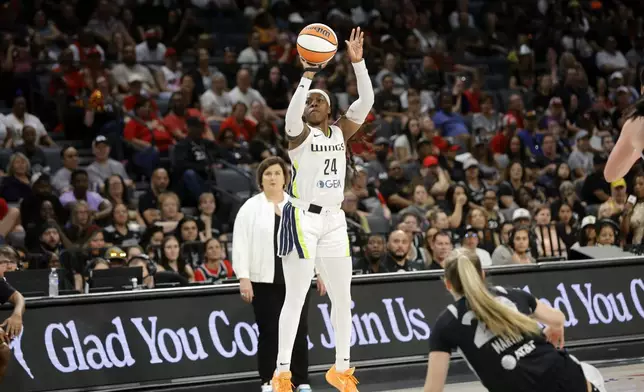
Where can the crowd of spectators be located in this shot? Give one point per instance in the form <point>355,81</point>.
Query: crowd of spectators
<point>491,126</point>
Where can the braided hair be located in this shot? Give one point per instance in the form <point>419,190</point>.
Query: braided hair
<point>363,135</point>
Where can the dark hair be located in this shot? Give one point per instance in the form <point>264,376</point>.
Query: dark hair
<point>114,210</point>
<point>78,172</point>
<point>223,132</point>
<point>449,196</point>
<point>522,156</point>
<point>268,162</point>
<point>165,262</point>
<point>486,97</point>
<point>140,102</point>
<point>405,215</point>
<point>194,122</point>
<point>514,231</point>
<point>509,168</point>
<point>169,110</point>
<point>183,221</point>
<point>583,236</point>
<point>607,222</point>
<point>149,233</point>
<point>413,140</point>
<point>126,196</point>
<point>64,150</point>
<point>272,135</point>
<point>444,234</point>
<point>205,247</point>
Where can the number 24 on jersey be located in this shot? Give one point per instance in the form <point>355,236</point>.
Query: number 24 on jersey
<point>330,166</point>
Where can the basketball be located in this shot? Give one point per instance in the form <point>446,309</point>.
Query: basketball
<point>317,43</point>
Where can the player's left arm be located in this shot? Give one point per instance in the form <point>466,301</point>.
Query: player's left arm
<point>358,111</point>
<point>13,325</point>
<point>437,367</point>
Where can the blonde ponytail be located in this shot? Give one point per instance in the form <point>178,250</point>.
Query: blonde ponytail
<point>463,271</point>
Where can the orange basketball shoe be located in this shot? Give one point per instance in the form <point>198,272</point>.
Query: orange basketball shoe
<point>343,381</point>
<point>282,382</point>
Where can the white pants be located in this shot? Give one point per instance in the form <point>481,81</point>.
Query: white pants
<point>315,241</point>
<point>313,235</point>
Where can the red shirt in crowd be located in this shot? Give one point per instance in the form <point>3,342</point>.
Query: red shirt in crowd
<point>245,130</point>
<point>473,98</point>
<point>172,121</point>
<point>227,272</point>
<point>129,102</point>
<point>4,208</point>
<point>135,130</point>
<point>73,79</point>
<point>499,143</point>
<point>517,116</point>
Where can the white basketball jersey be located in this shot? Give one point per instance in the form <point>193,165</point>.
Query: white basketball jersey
<point>319,166</point>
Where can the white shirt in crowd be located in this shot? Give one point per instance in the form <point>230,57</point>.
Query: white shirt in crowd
<point>122,74</point>
<point>254,59</point>
<point>216,105</point>
<point>253,234</point>
<point>615,60</point>
<point>484,257</point>
<point>172,78</point>
<point>76,52</point>
<point>15,126</point>
<point>251,95</point>
<point>143,52</point>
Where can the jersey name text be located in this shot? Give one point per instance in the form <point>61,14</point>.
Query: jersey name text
<point>327,148</point>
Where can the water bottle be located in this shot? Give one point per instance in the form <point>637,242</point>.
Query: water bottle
<point>53,283</point>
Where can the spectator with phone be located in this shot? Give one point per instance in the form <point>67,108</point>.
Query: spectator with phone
<point>613,207</point>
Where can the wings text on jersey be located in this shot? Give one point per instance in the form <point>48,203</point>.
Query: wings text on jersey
<point>326,148</point>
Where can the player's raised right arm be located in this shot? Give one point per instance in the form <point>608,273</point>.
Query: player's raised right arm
<point>296,129</point>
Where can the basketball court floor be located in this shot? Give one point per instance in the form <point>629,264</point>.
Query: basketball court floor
<point>619,378</point>
<point>628,378</point>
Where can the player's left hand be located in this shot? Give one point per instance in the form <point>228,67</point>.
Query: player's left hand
<point>354,45</point>
<point>12,325</point>
<point>320,286</point>
<point>555,336</point>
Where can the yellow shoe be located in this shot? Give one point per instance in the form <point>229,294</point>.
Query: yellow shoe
<point>282,382</point>
<point>343,381</point>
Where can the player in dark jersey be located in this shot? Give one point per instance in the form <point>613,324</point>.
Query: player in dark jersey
<point>11,327</point>
<point>496,332</point>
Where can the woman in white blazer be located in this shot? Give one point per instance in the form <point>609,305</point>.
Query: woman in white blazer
<point>260,273</point>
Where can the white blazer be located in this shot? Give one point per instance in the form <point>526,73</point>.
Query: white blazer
<point>253,235</point>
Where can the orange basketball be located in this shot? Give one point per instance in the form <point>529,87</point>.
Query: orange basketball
<point>317,43</point>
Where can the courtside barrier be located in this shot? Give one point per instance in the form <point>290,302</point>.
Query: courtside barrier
<point>80,342</point>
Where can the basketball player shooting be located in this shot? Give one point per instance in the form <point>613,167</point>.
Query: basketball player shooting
<point>313,230</point>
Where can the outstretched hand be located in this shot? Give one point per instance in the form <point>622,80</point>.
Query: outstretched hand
<point>354,45</point>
